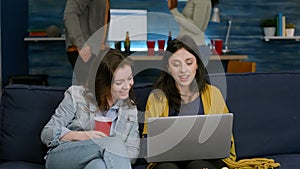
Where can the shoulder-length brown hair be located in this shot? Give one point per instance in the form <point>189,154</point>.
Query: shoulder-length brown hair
<point>167,83</point>
<point>105,65</point>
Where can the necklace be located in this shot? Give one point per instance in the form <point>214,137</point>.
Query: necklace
<point>189,98</point>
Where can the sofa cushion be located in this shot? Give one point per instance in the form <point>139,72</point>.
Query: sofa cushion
<point>287,161</point>
<point>24,112</point>
<point>142,92</point>
<point>21,165</point>
<point>266,112</point>
<point>144,166</point>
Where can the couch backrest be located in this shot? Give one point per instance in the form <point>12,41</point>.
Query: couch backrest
<point>25,109</point>
<point>24,112</point>
<point>265,105</point>
<point>266,109</point>
<point>141,92</point>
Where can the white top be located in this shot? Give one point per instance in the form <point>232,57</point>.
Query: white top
<point>194,19</point>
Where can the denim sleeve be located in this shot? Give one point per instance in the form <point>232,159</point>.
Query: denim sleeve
<point>127,129</point>
<point>133,140</point>
<point>133,143</point>
<point>57,125</point>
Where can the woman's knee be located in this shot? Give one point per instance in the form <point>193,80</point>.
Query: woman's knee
<point>113,145</point>
<point>96,163</point>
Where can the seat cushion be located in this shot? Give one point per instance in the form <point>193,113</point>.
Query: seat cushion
<point>24,111</point>
<point>137,166</point>
<point>21,165</point>
<point>287,161</point>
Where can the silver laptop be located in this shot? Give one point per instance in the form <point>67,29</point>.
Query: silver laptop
<point>180,138</point>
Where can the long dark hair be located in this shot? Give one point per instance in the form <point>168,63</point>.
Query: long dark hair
<point>105,66</point>
<point>167,83</point>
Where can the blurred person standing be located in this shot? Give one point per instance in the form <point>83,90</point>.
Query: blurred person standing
<point>82,18</point>
<point>193,21</point>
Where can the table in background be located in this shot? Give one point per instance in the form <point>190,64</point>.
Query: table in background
<point>142,61</point>
<point>147,68</point>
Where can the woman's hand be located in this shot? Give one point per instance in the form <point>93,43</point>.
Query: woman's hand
<point>94,134</point>
<point>83,135</point>
<point>172,4</point>
<point>85,53</point>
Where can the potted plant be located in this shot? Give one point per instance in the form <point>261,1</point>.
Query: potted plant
<point>290,29</point>
<point>269,26</point>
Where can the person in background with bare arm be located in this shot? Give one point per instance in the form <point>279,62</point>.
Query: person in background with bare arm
<point>193,21</point>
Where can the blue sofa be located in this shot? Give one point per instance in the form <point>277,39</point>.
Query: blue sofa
<point>266,108</point>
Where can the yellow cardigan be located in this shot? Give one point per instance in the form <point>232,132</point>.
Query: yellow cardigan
<point>212,100</point>
<point>213,103</point>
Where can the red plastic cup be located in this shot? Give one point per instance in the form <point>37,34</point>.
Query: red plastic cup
<point>150,46</point>
<point>161,45</point>
<point>103,124</point>
<point>218,45</point>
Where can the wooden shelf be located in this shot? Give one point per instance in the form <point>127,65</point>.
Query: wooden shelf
<point>36,39</point>
<point>268,38</point>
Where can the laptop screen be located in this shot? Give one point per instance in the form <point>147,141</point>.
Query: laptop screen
<point>179,138</point>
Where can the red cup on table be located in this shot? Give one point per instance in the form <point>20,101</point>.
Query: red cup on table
<point>217,45</point>
<point>161,45</point>
<point>150,46</point>
<point>103,124</point>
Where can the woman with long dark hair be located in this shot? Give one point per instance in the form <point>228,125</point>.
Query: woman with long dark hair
<point>182,89</point>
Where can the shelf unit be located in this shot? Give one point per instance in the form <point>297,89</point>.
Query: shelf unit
<point>36,39</point>
<point>268,38</point>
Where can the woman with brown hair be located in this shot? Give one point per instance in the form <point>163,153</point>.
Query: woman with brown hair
<point>70,133</point>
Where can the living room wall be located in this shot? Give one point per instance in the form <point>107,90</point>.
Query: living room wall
<point>246,35</point>
<point>14,53</point>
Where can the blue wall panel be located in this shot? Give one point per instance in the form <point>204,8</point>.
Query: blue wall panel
<point>246,34</point>
<point>13,29</point>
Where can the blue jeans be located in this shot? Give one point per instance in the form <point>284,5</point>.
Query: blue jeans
<point>103,153</point>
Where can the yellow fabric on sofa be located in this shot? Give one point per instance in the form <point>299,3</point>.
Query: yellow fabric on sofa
<point>254,163</point>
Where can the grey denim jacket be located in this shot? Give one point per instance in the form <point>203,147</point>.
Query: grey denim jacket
<point>74,113</point>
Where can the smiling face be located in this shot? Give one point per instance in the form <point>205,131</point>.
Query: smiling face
<point>183,67</point>
<point>122,83</point>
